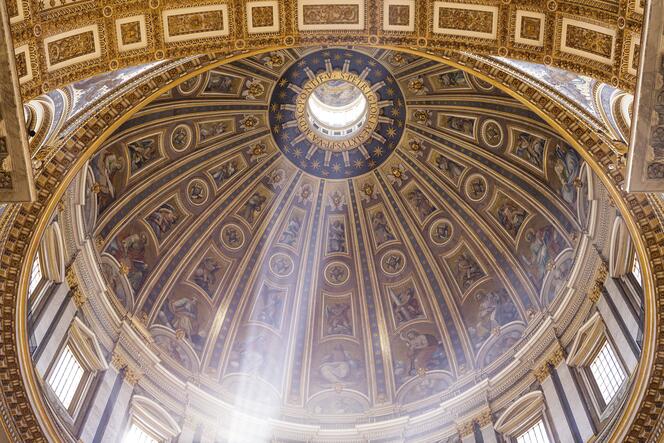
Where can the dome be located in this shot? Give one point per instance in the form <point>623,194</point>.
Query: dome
<point>360,278</point>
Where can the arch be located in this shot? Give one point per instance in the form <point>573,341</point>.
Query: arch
<point>521,414</point>
<point>105,52</point>
<point>78,149</point>
<point>153,417</point>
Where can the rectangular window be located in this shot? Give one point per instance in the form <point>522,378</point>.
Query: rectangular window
<point>35,275</point>
<point>137,435</point>
<point>608,373</point>
<point>536,434</point>
<point>66,376</point>
<point>636,271</point>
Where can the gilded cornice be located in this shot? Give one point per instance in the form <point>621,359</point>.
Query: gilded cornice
<point>58,42</point>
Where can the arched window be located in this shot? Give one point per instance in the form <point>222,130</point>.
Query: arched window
<point>594,356</point>
<point>70,376</point>
<point>525,420</point>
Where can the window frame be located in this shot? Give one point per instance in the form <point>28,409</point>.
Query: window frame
<point>133,423</point>
<point>83,385</point>
<point>601,406</point>
<point>547,431</point>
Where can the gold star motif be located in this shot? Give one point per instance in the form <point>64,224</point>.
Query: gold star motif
<point>358,163</point>
<point>325,172</point>
<point>297,152</point>
<point>378,152</point>
<point>303,163</point>
<point>399,103</point>
<point>276,129</point>
<point>391,132</point>
<point>296,74</point>
<point>278,116</point>
<point>371,163</point>
<point>336,167</point>
<point>395,112</point>
<point>275,107</point>
<point>282,94</point>
<point>283,82</point>
<point>315,164</point>
<point>285,137</point>
<point>390,91</point>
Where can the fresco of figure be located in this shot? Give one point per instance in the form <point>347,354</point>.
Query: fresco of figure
<point>338,319</point>
<point>425,351</point>
<point>511,217</point>
<point>163,219</point>
<point>543,246</point>
<point>211,129</point>
<point>106,167</point>
<point>225,172</point>
<point>184,317</point>
<point>291,232</point>
<point>421,203</point>
<point>336,237</point>
<point>566,166</point>
<point>269,307</point>
<point>530,148</point>
<point>468,270</point>
<point>250,355</point>
<point>381,229</point>
<point>142,153</point>
<point>405,305</point>
<point>494,309</point>
<point>219,83</point>
<point>130,251</point>
<point>450,168</point>
<point>460,124</point>
<point>338,366</point>
<point>252,207</point>
<point>205,274</point>
<point>452,79</point>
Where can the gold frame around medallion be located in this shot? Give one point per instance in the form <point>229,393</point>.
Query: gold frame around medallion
<point>594,150</point>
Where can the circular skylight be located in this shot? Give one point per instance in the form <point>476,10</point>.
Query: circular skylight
<point>337,109</point>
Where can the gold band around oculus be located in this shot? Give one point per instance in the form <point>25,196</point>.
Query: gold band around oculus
<point>344,144</point>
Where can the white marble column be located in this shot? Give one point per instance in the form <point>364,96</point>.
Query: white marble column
<point>617,335</point>
<point>575,401</point>
<point>489,433</point>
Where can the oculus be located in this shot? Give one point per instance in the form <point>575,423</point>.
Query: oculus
<point>337,113</point>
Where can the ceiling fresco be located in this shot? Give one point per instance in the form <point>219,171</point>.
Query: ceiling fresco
<point>374,285</point>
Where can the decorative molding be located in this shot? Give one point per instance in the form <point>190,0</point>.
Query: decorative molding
<point>109,38</point>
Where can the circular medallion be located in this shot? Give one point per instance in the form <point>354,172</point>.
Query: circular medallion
<point>492,133</point>
<point>393,262</point>
<point>181,137</point>
<point>476,187</point>
<point>337,273</point>
<point>441,232</point>
<point>232,236</point>
<point>189,85</point>
<point>281,265</point>
<point>197,191</point>
<point>337,113</point>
